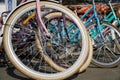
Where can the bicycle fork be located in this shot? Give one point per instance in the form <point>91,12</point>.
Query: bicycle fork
<point>40,22</point>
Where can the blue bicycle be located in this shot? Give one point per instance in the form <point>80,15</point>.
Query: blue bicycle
<point>105,39</point>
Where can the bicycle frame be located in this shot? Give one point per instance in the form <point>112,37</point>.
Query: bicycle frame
<point>98,28</point>
<point>93,16</point>
<point>64,32</point>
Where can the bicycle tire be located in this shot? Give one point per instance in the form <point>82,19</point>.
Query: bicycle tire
<point>102,56</point>
<point>88,59</point>
<point>90,53</point>
<point>11,51</point>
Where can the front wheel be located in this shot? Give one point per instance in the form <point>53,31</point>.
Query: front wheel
<point>21,48</point>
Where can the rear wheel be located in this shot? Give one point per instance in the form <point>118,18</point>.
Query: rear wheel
<point>106,53</point>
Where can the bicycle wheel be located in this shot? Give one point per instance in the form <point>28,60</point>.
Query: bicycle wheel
<point>106,52</point>
<point>88,59</point>
<point>20,43</point>
<point>51,20</point>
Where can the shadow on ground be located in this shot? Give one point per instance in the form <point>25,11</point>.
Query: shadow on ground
<point>11,72</point>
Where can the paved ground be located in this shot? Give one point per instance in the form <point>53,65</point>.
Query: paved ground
<point>92,73</point>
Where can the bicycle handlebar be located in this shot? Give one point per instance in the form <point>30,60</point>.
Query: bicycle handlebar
<point>93,1</point>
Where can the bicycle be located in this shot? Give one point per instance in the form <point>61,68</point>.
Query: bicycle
<point>104,35</point>
<point>18,37</point>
